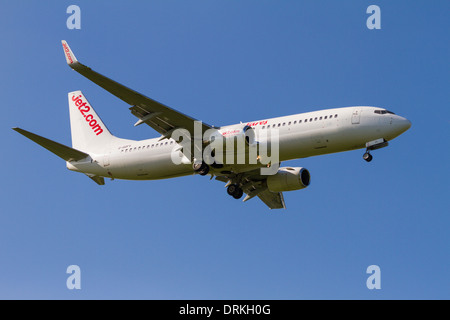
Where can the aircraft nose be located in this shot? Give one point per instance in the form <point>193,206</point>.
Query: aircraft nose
<point>405,124</point>
<point>402,124</point>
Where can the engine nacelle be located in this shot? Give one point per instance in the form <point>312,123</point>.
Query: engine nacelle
<point>288,179</point>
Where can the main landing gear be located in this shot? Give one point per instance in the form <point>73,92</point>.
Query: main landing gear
<point>201,168</point>
<point>235,191</point>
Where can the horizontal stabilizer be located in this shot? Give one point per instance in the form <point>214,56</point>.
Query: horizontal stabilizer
<point>62,151</point>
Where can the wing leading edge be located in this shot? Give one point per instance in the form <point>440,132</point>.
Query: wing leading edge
<point>158,116</point>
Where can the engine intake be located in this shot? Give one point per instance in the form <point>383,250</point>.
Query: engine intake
<point>288,179</point>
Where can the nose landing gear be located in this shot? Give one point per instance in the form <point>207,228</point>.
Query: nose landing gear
<point>373,145</point>
<point>367,156</point>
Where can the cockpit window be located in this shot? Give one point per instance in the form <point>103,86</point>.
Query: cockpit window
<point>383,111</point>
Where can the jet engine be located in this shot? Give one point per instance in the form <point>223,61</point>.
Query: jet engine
<point>288,179</point>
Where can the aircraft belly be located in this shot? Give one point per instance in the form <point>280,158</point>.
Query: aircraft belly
<point>147,166</point>
<point>324,140</point>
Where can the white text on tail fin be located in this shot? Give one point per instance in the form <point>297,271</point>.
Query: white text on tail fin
<point>89,133</point>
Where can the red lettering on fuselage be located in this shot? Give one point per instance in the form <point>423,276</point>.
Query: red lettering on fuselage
<point>226,133</point>
<point>259,123</point>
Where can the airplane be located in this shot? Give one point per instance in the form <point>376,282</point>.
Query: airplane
<point>99,154</point>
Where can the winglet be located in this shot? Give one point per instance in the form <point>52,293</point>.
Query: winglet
<point>70,57</point>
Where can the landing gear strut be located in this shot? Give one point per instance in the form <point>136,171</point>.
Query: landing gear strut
<point>374,145</point>
<point>235,191</point>
<point>201,168</point>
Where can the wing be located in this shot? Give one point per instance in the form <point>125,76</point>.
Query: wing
<point>272,200</point>
<point>158,116</point>
<point>253,184</point>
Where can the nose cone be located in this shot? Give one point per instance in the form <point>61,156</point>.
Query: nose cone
<point>400,125</point>
<point>404,124</point>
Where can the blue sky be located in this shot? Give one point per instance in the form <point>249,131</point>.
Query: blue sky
<point>224,62</point>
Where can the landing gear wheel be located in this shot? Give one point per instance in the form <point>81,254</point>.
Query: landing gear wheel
<point>234,191</point>
<point>367,156</point>
<point>238,194</point>
<point>201,168</point>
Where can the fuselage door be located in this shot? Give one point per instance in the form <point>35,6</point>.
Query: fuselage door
<point>356,116</point>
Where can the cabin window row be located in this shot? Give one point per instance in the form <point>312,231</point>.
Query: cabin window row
<point>154,145</point>
<point>300,121</point>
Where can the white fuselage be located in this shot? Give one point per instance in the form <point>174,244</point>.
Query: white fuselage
<point>300,136</point>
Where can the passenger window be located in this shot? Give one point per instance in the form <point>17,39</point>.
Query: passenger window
<point>335,115</point>
<point>295,122</point>
<point>284,123</point>
<point>289,123</point>
<point>273,126</point>
<point>320,118</point>
<point>279,124</point>
<point>315,119</point>
<point>326,117</point>
<point>263,127</point>
<point>299,121</point>
<point>310,119</point>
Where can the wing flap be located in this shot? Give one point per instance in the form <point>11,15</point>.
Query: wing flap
<point>252,184</point>
<point>272,200</point>
<point>97,179</point>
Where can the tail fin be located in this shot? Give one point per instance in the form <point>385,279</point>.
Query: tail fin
<point>89,133</point>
